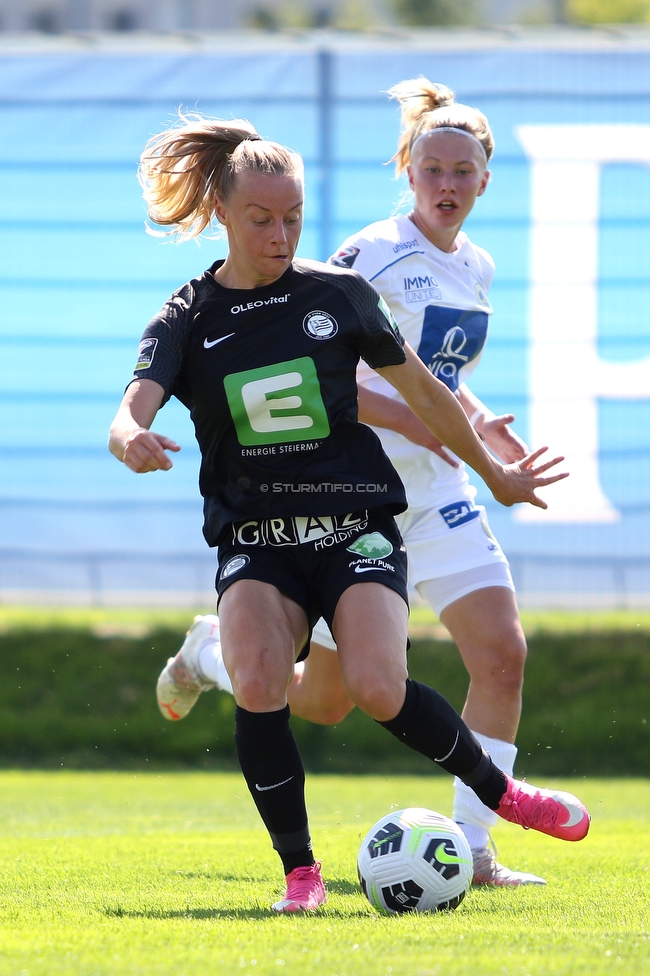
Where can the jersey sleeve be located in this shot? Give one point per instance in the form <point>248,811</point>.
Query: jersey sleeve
<point>381,343</point>
<point>486,264</point>
<point>160,353</point>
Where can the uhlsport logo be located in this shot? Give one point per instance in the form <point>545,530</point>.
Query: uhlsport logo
<point>372,545</point>
<point>320,325</point>
<point>233,566</point>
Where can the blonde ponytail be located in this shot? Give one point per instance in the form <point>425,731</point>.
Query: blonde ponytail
<point>426,105</point>
<point>186,168</point>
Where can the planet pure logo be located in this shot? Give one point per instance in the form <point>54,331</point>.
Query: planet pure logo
<point>372,545</point>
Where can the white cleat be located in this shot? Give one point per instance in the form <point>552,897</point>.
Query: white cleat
<point>181,681</point>
<point>488,871</point>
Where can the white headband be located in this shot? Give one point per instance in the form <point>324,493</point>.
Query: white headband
<point>449,128</point>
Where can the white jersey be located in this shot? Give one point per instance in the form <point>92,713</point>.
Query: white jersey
<point>441,305</point>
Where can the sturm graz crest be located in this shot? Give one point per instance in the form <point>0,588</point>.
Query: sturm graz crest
<point>320,325</point>
<point>443,856</point>
<point>402,897</point>
<point>388,840</point>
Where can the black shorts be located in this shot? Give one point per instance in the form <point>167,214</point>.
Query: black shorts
<point>314,560</point>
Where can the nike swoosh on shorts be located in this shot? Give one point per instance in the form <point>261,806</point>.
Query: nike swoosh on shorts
<point>209,345</point>
<point>369,569</point>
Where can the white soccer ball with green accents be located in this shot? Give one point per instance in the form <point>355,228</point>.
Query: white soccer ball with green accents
<point>415,860</point>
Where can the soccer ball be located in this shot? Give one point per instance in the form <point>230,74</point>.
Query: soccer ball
<point>415,860</point>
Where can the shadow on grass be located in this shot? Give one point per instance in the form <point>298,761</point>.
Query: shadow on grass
<point>199,914</point>
<point>233,914</point>
<point>343,887</point>
<point>339,887</point>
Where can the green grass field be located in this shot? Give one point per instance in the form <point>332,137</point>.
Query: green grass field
<point>122,873</point>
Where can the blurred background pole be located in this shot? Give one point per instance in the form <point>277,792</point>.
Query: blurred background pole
<point>325,96</point>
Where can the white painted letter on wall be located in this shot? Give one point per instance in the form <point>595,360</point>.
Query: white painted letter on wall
<point>566,375</point>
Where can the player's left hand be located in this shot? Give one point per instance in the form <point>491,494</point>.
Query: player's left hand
<point>518,482</point>
<point>502,440</point>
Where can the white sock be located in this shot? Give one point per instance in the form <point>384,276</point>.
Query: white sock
<point>211,665</point>
<point>474,818</point>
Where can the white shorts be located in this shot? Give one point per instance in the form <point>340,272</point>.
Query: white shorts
<point>451,552</point>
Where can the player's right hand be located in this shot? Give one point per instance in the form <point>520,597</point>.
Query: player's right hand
<point>144,450</point>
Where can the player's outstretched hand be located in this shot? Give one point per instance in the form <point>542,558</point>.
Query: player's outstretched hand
<point>144,451</point>
<point>502,440</point>
<point>519,481</point>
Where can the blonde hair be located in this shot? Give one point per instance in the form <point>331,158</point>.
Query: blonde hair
<point>426,105</point>
<point>187,167</point>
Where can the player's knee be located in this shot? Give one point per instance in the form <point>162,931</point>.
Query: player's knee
<point>502,665</point>
<point>380,698</point>
<point>257,692</point>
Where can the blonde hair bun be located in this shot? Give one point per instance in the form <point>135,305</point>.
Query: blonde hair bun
<point>427,105</point>
<point>420,96</point>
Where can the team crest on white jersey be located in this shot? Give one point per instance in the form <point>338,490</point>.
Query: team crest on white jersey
<point>320,325</point>
<point>481,293</point>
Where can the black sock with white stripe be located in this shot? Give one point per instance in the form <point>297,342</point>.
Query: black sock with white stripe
<point>273,770</point>
<point>429,724</point>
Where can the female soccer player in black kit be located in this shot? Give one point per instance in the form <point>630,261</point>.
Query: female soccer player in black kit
<point>298,496</point>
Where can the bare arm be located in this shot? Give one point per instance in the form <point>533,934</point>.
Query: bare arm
<point>130,439</point>
<point>495,431</point>
<point>439,409</point>
<point>382,411</point>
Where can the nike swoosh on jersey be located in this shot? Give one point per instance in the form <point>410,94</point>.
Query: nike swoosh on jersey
<point>209,345</point>
<point>369,569</point>
<point>441,855</point>
<point>274,786</point>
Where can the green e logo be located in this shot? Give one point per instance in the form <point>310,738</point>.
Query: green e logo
<point>277,403</point>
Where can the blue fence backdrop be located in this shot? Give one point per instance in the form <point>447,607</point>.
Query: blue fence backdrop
<point>566,218</point>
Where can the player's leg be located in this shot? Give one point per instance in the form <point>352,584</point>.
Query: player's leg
<point>370,627</point>
<point>262,633</point>
<point>317,692</point>
<point>486,628</point>
<point>459,568</point>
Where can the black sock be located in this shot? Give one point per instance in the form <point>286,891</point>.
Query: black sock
<point>429,724</point>
<point>273,770</point>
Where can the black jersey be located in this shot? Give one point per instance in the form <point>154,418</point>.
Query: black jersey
<point>269,375</point>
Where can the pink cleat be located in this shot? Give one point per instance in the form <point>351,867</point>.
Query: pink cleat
<point>305,890</point>
<point>549,811</point>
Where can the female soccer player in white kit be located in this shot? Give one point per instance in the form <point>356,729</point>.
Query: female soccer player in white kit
<point>436,282</point>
